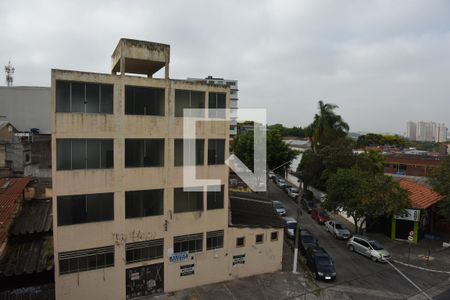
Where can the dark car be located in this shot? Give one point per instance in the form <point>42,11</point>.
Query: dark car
<point>320,263</point>
<point>306,240</point>
<point>308,205</point>
<point>320,215</point>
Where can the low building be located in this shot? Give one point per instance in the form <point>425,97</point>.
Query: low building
<point>420,217</point>
<point>11,199</point>
<point>411,164</point>
<point>26,266</point>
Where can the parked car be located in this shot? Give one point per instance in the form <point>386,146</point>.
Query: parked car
<point>306,240</point>
<point>279,208</point>
<point>271,174</point>
<point>369,248</point>
<point>320,263</point>
<point>320,215</point>
<point>338,230</point>
<point>293,192</point>
<point>281,183</point>
<point>291,226</point>
<point>308,205</point>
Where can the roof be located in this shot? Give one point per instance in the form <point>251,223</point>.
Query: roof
<point>25,255</point>
<point>420,196</point>
<point>253,212</point>
<point>10,192</point>
<point>35,217</point>
<point>36,292</point>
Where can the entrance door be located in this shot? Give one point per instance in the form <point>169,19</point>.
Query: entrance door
<point>402,229</point>
<point>146,280</point>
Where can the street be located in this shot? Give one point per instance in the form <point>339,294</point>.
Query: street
<point>358,276</point>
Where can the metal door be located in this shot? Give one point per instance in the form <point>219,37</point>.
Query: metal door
<point>145,280</point>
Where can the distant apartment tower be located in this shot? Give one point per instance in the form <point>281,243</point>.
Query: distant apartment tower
<point>124,226</point>
<point>233,85</point>
<point>411,131</point>
<point>426,132</point>
<point>440,133</point>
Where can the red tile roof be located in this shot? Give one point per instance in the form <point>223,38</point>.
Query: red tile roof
<point>10,192</point>
<point>420,196</point>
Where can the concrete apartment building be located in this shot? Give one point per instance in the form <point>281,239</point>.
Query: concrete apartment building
<point>411,131</point>
<point>426,132</point>
<point>123,225</point>
<point>233,85</point>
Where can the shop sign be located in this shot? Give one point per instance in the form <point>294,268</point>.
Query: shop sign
<point>179,256</point>
<point>238,259</point>
<point>187,270</point>
<point>410,215</point>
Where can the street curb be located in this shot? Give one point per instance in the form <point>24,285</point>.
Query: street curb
<point>420,268</point>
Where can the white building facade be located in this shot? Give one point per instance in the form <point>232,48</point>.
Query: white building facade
<point>233,85</point>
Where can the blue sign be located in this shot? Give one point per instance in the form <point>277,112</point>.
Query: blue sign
<point>179,256</point>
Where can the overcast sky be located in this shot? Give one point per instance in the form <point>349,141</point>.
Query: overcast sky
<point>382,62</point>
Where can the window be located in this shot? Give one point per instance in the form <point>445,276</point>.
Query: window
<point>145,203</point>
<point>75,154</point>
<point>199,145</point>
<point>259,238</point>
<point>187,201</point>
<point>191,242</point>
<point>84,97</point>
<point>214,240</point>
<point>144,153</point>
<point>188,99</point>
<point>142,251</point>
<point>216,101</point>
<point>240,242</point>
<point>274,236</point>
<point>85,260</point>
<point>79,209</point>
<point>144,101</point>
<point>215,199</point>
<point>216,152</point>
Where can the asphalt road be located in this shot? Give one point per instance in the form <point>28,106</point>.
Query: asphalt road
<point>357,276</point>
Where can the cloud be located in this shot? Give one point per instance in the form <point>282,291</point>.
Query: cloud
<point>382,62</point>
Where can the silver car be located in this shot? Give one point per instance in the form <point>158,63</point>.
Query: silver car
<point>293,192</point>
<point>279,208</point>
<point>338,230</point>
<point>369,248</point>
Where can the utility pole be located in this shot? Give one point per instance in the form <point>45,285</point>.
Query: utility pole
<point>297,229</point>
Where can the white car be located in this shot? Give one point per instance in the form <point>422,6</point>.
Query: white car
<point>281,183</point>
<point>338,230</point>
<point>279,208</point>
<point>369,248</point>
<point>293,192</point>
<point>291,225</point>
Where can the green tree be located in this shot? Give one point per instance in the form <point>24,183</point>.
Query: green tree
<point>310,170</point>
<point>440,181</point>
<point>278,152</point>
<point>326,127</point>
<point>371,161</point>
<point>360,194</point>
<point>315,168</point>
<point>373,139</point>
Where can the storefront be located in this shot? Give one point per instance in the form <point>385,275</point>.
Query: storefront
<point>415,222</point>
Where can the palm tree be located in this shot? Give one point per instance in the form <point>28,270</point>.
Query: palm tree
<point>326,126</point>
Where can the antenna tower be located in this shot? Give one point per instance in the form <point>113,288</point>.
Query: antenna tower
<point>9,70</point>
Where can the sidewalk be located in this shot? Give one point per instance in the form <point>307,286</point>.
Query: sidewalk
<point>429,255</point>
<point>426,254</point>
